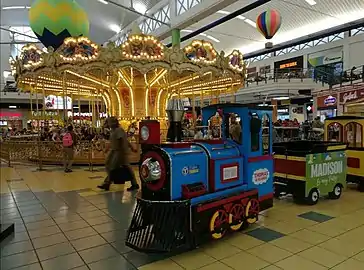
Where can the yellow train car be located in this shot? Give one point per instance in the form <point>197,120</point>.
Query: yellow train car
<point>350,130</point>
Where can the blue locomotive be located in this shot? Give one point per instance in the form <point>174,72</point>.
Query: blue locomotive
<point>202,189</point>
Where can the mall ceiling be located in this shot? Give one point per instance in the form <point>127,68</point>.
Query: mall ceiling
<point>299,18</point>
<point>103,17</point>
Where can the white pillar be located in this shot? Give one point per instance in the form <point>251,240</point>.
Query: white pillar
<point>346,52</point>
<point>173,11</point>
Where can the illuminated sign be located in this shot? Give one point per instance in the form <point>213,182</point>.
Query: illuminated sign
<point>288,65</point>
<point>58,103</point>
<point>330,101</point>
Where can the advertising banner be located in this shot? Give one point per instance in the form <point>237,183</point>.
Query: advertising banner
<point>325,170</point>
<point>58,102</point>
<point>329,58</point>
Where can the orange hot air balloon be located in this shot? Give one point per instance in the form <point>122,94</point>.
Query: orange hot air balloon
<point>269,22</point>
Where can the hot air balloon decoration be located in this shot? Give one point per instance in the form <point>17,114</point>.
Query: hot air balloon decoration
<point>55,20</point>
<point>268,23</point>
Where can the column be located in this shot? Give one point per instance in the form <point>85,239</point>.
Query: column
<point>275,112</point>
<point>176,37</point>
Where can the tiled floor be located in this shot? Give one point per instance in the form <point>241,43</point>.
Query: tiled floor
<point>63,222</point>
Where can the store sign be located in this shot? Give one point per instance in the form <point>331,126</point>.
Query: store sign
<point>10,115</point>
<point>288,65</point>
<point>351,96</point>
<point>295,62</point>
<point>53,102</point>
<point>260,176</point>
<point>330,101</point>
<point>333,58</point>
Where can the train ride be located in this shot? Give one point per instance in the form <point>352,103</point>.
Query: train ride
<point>201,190</point>
<point>309,170</point>
<point>350,130</point>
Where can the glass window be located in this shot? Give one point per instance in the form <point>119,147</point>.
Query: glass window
<point>23,34</point>
<point>335,132</point>
<point>266,131</point>
<point>353,134</point>
<point>255,127</point>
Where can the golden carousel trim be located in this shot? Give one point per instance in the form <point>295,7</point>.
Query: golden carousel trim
<point>39,71</point>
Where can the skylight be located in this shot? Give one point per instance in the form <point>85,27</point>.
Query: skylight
<point>240,17</point>
<point>311,2</point>
<point>202,34</point>
<point>15,7</point>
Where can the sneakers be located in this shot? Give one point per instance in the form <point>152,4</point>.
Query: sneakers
<point>68,171</point>
<point>134,187</point>
<point>104,186</point>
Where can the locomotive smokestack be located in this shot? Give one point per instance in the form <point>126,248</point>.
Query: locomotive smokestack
<point>175,111</point>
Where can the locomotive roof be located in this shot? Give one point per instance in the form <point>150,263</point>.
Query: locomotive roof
<point>238,105</point>
<point>346,117</point>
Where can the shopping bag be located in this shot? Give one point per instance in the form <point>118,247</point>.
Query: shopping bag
<point>121,175</point>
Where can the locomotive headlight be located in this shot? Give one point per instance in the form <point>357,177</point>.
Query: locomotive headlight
<point>150,170</point>
<point>144,133</point>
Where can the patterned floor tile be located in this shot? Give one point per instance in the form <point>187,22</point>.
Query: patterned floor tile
<point>18,260</point>
<point>55,251</point>
<point>98,253</point>
<point>88,242</point>
<point>114,263</point>
<point>65,262</point>
<point>265,234</point>
<point>315,216</point>
<point>15,248</point>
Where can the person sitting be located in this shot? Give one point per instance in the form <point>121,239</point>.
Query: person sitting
<point>235,129</point>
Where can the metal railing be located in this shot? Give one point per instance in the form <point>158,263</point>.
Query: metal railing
<point>43,153</point>
<point>317,75</point>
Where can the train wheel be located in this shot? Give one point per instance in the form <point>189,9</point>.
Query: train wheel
<point>236,217</point>
<point>336,193</point>
<point>219,224</point>
<point>313,197</point>
<point>252,211</point>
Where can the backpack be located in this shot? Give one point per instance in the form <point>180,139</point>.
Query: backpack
<point>67,140</point>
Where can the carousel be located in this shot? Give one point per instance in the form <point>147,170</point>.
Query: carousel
<point>132,81</point>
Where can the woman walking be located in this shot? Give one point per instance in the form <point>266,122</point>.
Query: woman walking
<point>118,156</point>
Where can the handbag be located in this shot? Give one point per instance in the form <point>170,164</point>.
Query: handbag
<point>120,175</point>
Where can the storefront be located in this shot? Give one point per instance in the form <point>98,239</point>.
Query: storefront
<point>12,119</point>
<point>327,106</point>
<point>297,112</point>
<point>327,65</point>
<point>350,97</point>
<point>292,66</point>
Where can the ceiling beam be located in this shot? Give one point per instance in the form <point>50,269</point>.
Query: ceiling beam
<point>222,20</point>
<point>136,12</point>
<point>324,33</point>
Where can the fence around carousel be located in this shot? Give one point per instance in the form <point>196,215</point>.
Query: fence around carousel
<point>51,153</point>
